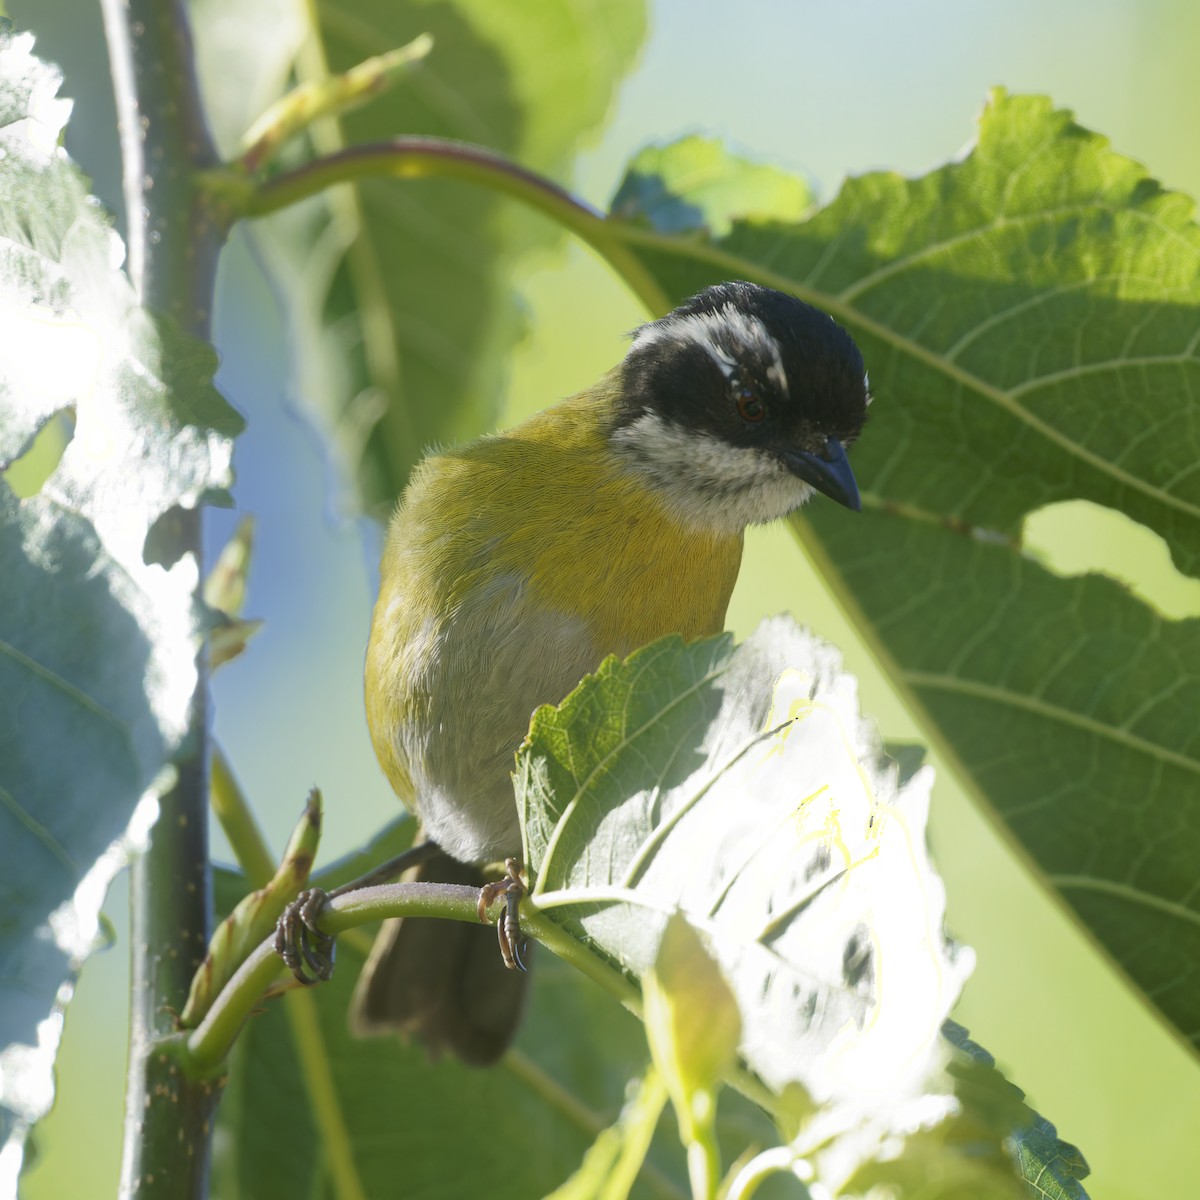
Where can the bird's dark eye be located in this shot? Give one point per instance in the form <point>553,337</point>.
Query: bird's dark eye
<point>750,408</point>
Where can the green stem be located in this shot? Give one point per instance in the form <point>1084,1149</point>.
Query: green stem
<point>210,1042</point>
<point>427,158</point>
<point>231,810</point>
<point>173,241</point>
<point>586,961</point>
<point>704,1166</point>
<point>320,1086</point>
<point>204,1052</point>
<point>778,1160</point>
<point>613,981</point>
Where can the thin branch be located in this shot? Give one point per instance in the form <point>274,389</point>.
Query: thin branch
<point>203,1052</point>
<point>429,158</point>
<point>237,820</point>
<point>324,97</point>
<point>210,1042</point>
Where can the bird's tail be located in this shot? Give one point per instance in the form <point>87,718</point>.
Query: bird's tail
<point>442,981</point>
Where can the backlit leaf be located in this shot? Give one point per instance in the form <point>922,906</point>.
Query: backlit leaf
<point>97,645</point>
<point>742,788</point>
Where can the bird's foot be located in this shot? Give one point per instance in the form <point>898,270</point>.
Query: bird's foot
<point>508,925</point>
<point>300,942</point>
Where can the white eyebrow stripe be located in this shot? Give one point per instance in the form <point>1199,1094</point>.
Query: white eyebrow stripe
<point>726,363</point>
<point>721,334</point>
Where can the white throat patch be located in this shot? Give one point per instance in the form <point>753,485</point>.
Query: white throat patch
<point>705,482</point>
<point>726,335</point>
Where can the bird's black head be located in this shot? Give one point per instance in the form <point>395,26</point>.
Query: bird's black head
<point>739,402</point>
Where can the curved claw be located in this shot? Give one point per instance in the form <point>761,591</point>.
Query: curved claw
<point>488,895</point>
<point>320,958</point>
<point>512,929</point>
<point>508,934</point>
<point>519,955</point>
<point>508,926</point>
<point>298,937</point>
<point>300,942</point>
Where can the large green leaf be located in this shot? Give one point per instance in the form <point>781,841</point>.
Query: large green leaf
<point>1030,315</point>
<point>97,646</point>
<point>401,306</point>
<point>741,788</point>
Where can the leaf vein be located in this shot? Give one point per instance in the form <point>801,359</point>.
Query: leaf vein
<point>77,694</point>
<point>600,767</point>
<point>1125,891</point>
<point>966,237</point>
<point>1042,708</point>
<point>39,831</point>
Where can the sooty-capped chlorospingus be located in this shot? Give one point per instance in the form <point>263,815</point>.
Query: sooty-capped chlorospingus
<point>513,565</point>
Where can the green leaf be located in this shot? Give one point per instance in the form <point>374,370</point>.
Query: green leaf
<point>990,1116</point>
<point>1029,318</point>
<point>695,184</point>
<point>971,1134</point>
<point>692,1024</point>
<point>97,646</point>
<point>1052,1167</point>
<point>742,788</point>
<point>693,1027</point>
<point>402,307</point>
<point>909,757</point>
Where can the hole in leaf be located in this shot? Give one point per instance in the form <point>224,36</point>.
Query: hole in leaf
<point>908,756</point>
<point>164,538</point>
<point>1077,537</point>
<point>28,472</point>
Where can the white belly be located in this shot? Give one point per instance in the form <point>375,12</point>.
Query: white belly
<point>482,674</point>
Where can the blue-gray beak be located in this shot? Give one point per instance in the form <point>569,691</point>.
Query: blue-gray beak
<point>828,470</point>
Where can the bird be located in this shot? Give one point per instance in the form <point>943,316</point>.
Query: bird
<point>514,564</point>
